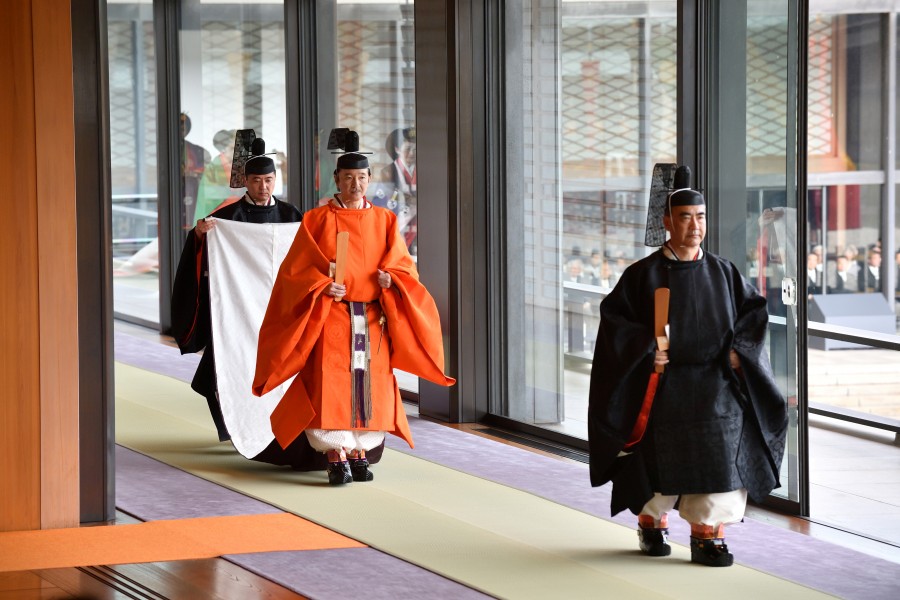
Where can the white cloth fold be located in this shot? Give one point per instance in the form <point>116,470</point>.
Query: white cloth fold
<point>244,259</point>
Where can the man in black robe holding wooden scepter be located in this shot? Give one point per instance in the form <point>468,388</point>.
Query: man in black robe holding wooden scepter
<point>714,430</point>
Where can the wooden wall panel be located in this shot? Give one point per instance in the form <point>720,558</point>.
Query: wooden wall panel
<point>57,261</point>
<point>38,349</point>
<point>19,301</point>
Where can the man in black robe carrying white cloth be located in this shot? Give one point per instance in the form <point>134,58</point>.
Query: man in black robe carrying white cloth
<point>191,326</point>
<point>714,430</point>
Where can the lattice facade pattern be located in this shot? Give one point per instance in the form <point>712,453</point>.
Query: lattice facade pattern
<point>599,89</point>
<point>602,93</point>
<point>767,53</point>
<point>594,117</point>
<point>122,79</point>
<point>132,106</point>
<point>820,86</point>
<point>243,81</point>
<point>376,80</point>
<point>619,117</point>
<point>664,91</point>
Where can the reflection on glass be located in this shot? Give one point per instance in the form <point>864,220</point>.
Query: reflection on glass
<point>844,88</point>
<point>846,132</point>
<point>366,82</point>
<point>232,68</point>
<point>757,156</point>
<point>593,88</point>
<point>771,158</point>
<point>132,106</point>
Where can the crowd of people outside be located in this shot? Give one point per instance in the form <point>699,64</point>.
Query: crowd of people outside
<point>847,270</point>
<point>581,302</point>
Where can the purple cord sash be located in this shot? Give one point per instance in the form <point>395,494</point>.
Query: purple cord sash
<point>361,389</point>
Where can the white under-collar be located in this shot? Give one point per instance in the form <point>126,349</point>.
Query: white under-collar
<point>667,252</point>
<point>249,200</point>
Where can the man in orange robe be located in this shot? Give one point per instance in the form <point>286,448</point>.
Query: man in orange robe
<point>342,341</point>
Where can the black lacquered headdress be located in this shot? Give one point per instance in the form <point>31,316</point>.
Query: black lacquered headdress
<point>347,141</point>
<point>250,158</point>
<point>670,186</point>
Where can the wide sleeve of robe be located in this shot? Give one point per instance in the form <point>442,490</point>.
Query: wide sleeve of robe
<point>766,411</point>
<point>298,310</point>
<point>190,298</point>
<point>413,322</point>
<point>623,362</point>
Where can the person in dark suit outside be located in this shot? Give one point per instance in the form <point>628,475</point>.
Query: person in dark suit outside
<point>869,280</point>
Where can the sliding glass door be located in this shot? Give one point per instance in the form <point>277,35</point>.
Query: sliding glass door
<point>591,94</point>
<point>753,152</point>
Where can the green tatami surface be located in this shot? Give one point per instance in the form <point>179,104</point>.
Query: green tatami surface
<point>491,537</point>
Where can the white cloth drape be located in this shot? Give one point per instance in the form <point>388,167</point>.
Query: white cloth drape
<point>243,262</point>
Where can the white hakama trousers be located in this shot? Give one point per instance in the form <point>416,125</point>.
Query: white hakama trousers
<point>713,510</point>
<point>323,440</point>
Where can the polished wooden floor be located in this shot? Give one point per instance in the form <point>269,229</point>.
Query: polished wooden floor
<point>203,579</point>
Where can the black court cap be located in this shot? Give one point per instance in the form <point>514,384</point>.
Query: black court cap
<point>348,141</point>
<point>258,164</point>
<point>352,160</point>
<point>686,198</point>
<point>683,195</point>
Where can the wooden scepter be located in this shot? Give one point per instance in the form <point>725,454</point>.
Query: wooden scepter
<point>660,320</point>
<point>340,257</point>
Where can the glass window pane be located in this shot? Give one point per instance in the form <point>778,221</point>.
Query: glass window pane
<point>132,120</point>
<point>366,66</point>
<point>893,254</point>
<point>844,236</point>
<point>845,226</point>
<point>366,82</point>
<point>593,93</point>
<point>845,82</point>
<point>232,77</point>
<point>753,178</point>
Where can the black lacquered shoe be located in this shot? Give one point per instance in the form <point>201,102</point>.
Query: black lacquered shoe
<point>654,542</point>
<point>359,467</point>
<point>712,552</point>
<point>339,473</point>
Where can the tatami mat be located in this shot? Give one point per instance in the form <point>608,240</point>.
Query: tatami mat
<point>491,537</point>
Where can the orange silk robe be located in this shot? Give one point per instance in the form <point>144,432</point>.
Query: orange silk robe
<point>308,334</point>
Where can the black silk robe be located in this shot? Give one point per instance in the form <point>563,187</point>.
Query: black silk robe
<point>190,296</point>
<point>711,429</point>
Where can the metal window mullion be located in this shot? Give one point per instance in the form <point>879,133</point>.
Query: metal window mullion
<point>168,145</point>
<point>888,208</point>
<point>139,102</point>
<point>645,89</point>
<point>799,10</point>
<point>497,215</point>
<point>302,101</point>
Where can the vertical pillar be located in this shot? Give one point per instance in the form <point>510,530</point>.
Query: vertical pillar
<point>39,471</point>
